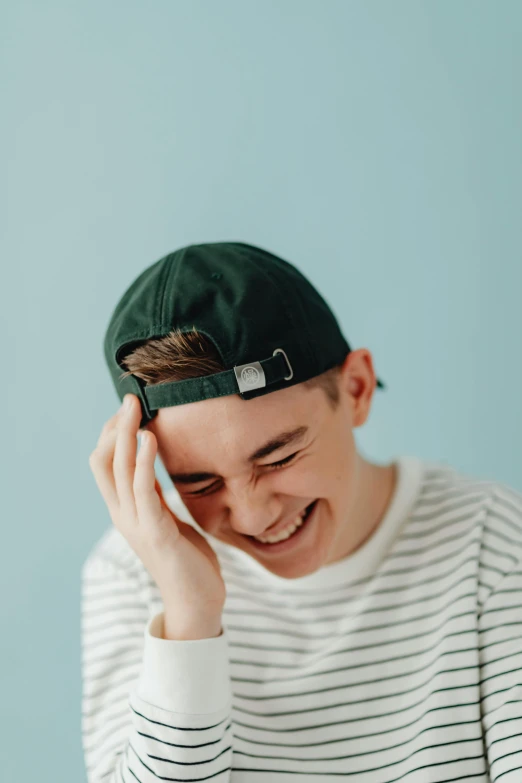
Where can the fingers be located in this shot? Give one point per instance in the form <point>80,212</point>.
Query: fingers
<point>124,463</point>
<point>148,501</point>
<point>100,462</point>
<point>128,481</point>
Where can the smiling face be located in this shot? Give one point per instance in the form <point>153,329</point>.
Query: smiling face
<point>222,456</point>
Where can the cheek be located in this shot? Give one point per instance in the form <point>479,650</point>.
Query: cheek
<point>332,476</point>
<point>312,478</point>
<point>206,513</point>
<point>196,508</point>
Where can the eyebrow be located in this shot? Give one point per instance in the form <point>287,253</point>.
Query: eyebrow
<point>277,442</point>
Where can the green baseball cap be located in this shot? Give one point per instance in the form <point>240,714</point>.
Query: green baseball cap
<point>269,324</point>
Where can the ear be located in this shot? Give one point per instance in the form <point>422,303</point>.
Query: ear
<point>359,380</point>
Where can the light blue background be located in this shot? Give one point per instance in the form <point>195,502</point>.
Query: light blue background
<point>374,144</point>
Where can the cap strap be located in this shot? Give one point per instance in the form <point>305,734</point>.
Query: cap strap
<point>242,378</point>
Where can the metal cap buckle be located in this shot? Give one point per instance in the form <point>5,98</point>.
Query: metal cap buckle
<point>280,350</point>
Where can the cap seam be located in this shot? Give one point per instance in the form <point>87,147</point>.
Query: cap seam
<point>172,269</point>
<point>312,356</point>
<point>285,301</point>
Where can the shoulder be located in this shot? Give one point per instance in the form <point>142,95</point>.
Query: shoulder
<point>451,496</point>
<point>443,483</point>
<point>487,511</point>
<point>506,510</point>
<point>444,480</point>
<point>503,525</point>
<point>490,506</point>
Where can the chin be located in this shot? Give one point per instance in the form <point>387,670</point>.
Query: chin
<point>293,569</point>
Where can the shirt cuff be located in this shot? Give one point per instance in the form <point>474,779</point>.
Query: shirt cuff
<point>189,676</point>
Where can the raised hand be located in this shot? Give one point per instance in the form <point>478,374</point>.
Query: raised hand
<point>178,557</point>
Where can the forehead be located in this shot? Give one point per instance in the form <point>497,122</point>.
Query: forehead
<point>233,426</point>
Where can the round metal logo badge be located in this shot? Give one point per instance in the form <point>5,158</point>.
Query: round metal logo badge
<point>250,375</point>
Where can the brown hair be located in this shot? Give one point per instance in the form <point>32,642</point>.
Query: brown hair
<point>181,355</point>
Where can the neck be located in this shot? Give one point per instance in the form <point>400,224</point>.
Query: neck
<point>374,488</point>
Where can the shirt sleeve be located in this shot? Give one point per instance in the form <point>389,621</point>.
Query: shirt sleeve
<point>500,640</point>
<point>152,708</point>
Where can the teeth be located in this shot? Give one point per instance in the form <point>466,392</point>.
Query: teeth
<point>284,534</point>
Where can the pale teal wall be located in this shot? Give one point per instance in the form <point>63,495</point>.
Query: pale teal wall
<point>376,145</point>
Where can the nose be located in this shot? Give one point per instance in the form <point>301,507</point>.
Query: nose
<point>251,509</point>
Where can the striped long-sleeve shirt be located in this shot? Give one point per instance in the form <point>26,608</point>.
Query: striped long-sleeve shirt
<point>400,662</point>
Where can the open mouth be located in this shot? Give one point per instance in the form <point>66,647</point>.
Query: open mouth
<point>294,538</point>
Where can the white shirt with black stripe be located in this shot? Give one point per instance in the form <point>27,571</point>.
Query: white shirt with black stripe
<point>401,662</point>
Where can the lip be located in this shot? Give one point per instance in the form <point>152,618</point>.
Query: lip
<point>293,540</point>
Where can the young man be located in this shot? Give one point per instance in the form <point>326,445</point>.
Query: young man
<point>376,633</point>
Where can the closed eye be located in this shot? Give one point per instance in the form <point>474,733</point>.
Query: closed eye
<point>275,465</point>
<point>281,462</point>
